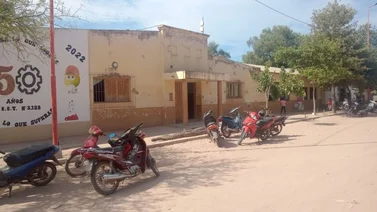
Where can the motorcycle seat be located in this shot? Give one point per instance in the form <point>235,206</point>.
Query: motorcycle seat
<point>210,123</point>
<point>280,118</point>
<point>25,155</point>
<point>110,149</point>
<point>263,121</point>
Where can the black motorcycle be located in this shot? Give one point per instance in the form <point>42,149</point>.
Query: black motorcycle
<point>211,127</point>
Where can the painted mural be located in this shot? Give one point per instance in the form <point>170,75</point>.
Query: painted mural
<point>25,97</point>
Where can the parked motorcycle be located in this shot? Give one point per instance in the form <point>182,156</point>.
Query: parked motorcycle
<point>256,128</point>
<point>76,159</point>
<point>110,165</point>
<point>230,124</point>
<point>278,124</point>
<point>29,166</point>
<point>345,105</point>
<point>211,127</point>
<point>372,106</point>
<point>357,110</point>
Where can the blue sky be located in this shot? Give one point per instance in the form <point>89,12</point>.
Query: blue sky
<point>229,23</point>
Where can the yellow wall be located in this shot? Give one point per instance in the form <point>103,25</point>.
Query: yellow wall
<point>138,55</point>
<point>184,50</point>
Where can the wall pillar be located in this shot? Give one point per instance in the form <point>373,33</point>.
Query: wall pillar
<point>219,98</point>
<point>184,102</point>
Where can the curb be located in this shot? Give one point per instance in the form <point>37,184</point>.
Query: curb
<point>176,141</point>
<point>313,118</point>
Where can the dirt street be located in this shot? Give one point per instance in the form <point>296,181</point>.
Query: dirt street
<point>324,165</point>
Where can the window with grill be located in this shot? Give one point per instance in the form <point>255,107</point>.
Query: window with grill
<point>233,90</point>
<point>111,89</point>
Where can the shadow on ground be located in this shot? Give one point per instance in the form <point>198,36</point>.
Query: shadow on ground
<point>325,124</point>
<point>273,140</point>
<point>180,174</point>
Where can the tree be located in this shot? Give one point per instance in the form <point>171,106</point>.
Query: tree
<point>321,60</point>
<point>336,22</point>
<point>290,83</point>
<point>214,51</point>
<point>268,42</point>
<point>25,19</point>
<point>266,82</point>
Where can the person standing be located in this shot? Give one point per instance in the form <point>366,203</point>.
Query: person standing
<point>299,103</point>
<point>283,105</point>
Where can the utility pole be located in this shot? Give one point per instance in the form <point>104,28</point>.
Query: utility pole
<point>55,140</point>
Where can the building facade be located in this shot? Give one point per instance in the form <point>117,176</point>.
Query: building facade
<point>118,78</point>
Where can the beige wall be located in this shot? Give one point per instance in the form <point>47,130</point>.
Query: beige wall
<point>138,55</point>
<point>184,50</point>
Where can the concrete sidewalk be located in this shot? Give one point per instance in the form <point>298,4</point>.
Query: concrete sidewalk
<point>69,143</point>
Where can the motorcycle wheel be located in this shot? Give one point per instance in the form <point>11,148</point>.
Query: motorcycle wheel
<point>39,175</point>
<point>78,162</point>
<point>152,164</point>
<point>96,176</point>
<point>276,129</point>
<point>242,136</point>
<point>216,137</point>
<point>225,133</point>
<point>264,136</point>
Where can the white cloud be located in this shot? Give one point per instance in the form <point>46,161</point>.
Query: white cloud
<point>230,23</point>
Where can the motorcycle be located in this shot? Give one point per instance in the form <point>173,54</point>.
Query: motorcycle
<point>109,165</point>
<point>356,110</point>
<point>77,159</point>
<point>345,105</point>
<point>278,124</point>
<point>254,127</point>
<point>228,124</point>
<point>211,127</point>
<point>372,106</point>
<point>29,166</point>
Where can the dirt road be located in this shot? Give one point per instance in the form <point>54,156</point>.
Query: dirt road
<point>325,165</point>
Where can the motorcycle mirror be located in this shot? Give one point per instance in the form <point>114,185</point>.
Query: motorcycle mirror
<point>112,135</point>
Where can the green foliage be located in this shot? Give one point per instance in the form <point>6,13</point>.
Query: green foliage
<point>290,84</point>
<point>27,19</point>
<point>336,21</point>
<point>321,60</point>
<point>266,83</point>
<point>213,49</point>
<point>268,42</point>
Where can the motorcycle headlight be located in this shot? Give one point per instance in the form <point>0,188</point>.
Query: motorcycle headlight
<point>254,117</point>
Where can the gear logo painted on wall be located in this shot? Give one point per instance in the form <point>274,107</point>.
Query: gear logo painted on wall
<point>29,80</point>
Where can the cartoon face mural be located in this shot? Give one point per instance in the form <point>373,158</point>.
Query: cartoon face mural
<point>72,78</point>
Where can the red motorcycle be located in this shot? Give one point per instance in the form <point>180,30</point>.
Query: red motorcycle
<point>81,166</point>
<point>110,166</point>
<point>278,124</point>
<point>211,127</point>
<point>255,127</point>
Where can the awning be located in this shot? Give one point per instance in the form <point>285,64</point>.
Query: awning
<point>195,75</point>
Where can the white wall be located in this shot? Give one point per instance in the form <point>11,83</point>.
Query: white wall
<point>28,102</point>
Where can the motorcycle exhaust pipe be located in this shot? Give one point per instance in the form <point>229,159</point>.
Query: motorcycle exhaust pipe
<point>116,176</point>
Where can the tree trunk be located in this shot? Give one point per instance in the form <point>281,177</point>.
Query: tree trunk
<point>349,94</point>
<point>267,98</point>
<point>333,98</point>
<point>314,103</point>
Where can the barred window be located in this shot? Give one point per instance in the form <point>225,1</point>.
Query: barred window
<point>233,90</point>
<point>111,89</point>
